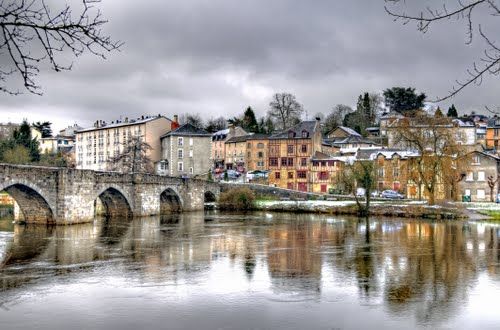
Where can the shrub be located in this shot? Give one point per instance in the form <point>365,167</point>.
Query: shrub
<point>237,199</point>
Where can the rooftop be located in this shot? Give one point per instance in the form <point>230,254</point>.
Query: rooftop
<point>296,131</point>
<point>103,125</point>
<point>187,130</point>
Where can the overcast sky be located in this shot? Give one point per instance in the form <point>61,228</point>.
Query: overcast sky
<point>216,57</point>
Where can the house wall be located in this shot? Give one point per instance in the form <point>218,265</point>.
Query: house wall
<point>475,183</point>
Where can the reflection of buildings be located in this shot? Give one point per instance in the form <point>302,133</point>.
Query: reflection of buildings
<point>293,260</point>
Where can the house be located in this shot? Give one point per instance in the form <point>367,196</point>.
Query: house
<point>219,145</point>
<point>480,180</point>
<point>97,145</point>
<point>186,152</point>
<point>493,133</point>
<point>290,153</point>
<point>324,172</point>
<point>350,145</point>
<point>247,152</point>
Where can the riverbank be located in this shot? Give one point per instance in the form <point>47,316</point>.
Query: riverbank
<point>406,209</point>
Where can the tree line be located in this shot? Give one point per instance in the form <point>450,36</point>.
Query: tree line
<point>285,111</point>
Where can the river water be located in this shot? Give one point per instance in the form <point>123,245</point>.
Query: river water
<point>253,271</point>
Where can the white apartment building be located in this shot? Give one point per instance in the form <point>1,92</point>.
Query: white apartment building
<point>95,146</point>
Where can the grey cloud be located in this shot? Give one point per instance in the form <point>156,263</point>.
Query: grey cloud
<point>217,57</point>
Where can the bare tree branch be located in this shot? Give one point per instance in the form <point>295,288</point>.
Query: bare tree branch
<point>489,63</point>
<point>31,33</point>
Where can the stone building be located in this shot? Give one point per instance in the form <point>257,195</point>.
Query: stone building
<point>219,145</point>
<point>96,146</point>
<point>290,153</point>
<point>493,133</point>
<point>186,152</point>
<point>482,171</point>
<point>247,153</point>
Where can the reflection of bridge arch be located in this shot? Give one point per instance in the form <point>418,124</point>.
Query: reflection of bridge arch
<point>116,204</point>
<point>32,203</point>
<point>170,201</point>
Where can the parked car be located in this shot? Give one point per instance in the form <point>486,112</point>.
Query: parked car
<point>232,174</point>
<point>252,175</point>
<point>391,194</point>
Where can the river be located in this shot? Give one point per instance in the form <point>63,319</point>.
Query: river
<point>253,271</point>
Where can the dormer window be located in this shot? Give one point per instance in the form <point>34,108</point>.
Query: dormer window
<point>305,134</point>
<point>497,122</point>
<point>291,134</point>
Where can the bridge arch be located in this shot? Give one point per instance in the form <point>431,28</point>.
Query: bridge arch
<point>210,197</point>
<point>34,206</point>
<point>170,201</point>
<point>115,203</point>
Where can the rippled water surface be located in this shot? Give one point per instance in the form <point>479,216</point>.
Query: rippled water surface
<point>256,271</point>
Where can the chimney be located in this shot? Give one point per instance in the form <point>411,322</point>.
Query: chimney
<point>175,123</point>
<point>232,129</point>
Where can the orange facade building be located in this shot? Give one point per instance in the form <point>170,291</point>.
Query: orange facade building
<point>290,153</point>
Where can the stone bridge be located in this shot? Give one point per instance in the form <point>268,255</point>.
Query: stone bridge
<point>66,196</point>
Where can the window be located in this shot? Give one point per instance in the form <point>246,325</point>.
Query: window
<point>323,175</point>
<point>180,141</point>
<point>381,172</point>
<point>283,161</point>
<point>290,149</point>
<point>249,145</point>
<point>273,161</point>
<point>467,192</point>
<point>470,176</point>
<point>497,131</point>
<point>291,134</point>
<point>303,148</point>
<point>289,185</point>
<point>191,170</point>
<point>191,153</point>
<point>180,153</point>
<point>323,188</point>
<point>305,134</point>
<point>481,194</point>
<point>180,167</point>
<point>476,160</point>
<point>480,176</point>
<point>290,175</point>
<point>277,175</point>
<point>260,164</point>
<point>190,141</point>
<point>395,172</point>
<point>260,154</point>
<point>303,162</point>
<point>260,146</point>
<point>301,174</point>
<point>290,162</point>
<point>249,154</point>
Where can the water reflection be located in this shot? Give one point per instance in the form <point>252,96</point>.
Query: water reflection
<point>422,271</point>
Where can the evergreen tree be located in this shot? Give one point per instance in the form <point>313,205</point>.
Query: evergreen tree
<point>44,128</point>
<point>367,109</point>
<point>22,137</point>
<point>452,112</point>
<point>438,113</point>
<point>403,100</point>
<point>249,121</point>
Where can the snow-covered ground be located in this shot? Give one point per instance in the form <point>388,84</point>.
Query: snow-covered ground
<point>480,206</point>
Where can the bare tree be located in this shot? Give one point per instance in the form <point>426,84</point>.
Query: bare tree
<point>360,174</point>
<point>216,124</point>
<point>438,146</point>
<point>336,117</point>
<point>133,157</point>
<point>31,33</point>
<point>193,119</point>
<point>285,110</point>
<point>489,63</point>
